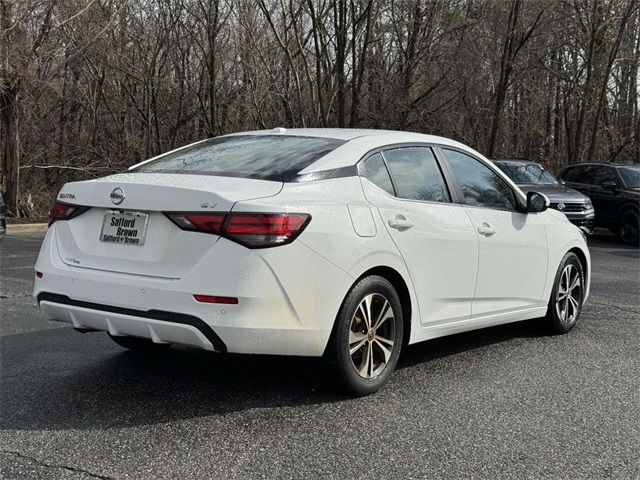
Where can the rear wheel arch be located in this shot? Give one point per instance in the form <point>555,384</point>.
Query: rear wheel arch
<point>400,285</point>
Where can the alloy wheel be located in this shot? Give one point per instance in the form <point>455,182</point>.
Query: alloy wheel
<point>372,335</point>
<point>569,295</point>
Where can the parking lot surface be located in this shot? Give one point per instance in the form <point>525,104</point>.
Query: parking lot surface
<point>508,402</point>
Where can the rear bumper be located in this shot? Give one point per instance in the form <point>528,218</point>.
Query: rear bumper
<point>282,309</point>
<point>157,325</point>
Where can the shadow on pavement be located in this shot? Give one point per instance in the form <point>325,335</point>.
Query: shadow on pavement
<point>60,379</point>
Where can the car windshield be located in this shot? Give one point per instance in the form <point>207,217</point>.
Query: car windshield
<point>527,173</point>
<point>631,175</point>
<point>268,157</point>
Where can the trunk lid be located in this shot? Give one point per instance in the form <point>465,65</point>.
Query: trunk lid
<point>167,251</point>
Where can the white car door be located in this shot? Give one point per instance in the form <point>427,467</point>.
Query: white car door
<point>512,266</point>
<point>435,236</point>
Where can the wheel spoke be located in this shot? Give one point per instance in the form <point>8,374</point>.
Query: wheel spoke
<point>364,364</point>
<point>385,351</point>
<point>567,277</point>
<point>562,308</point>
<point>365,307</point>
<point>575,282</point>
<point>385,313</point>
<point>384,340</point>
<point>356,340</point>
<point>574,305</point>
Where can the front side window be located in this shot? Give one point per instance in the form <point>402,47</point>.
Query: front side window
<point>481,186</point>
<point>631,175</point>
<point>376,172</point>
<point>416,174</point>
<point>268,157</point>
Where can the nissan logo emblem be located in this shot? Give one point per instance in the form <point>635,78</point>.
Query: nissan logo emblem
<point>117,196</point>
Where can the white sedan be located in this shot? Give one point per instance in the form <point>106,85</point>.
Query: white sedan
<point>347,244</point>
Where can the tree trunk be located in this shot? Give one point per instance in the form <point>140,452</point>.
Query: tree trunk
<point>340,25</point>
<point>613,53</point>
<point>9,108</point>
<point>505,71</point>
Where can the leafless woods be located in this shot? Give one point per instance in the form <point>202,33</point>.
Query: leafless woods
<point>89,87</point>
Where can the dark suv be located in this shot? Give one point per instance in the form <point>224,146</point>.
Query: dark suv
<point>614,190</point>
<point>531,176</point>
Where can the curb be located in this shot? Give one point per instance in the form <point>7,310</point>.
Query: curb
<point>26,227</point>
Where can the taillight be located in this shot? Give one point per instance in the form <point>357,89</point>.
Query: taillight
<point>64,211</point>
<point>198,222</point>
<point>253,230</point>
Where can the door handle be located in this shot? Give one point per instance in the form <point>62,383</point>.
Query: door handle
<point>486,230</point>
<point>400,223</point>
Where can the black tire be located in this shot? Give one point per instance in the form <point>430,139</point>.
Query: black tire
<point>628,230</point>
<point>138,344</point>
<point>340,361</point>
<point>558,322</point>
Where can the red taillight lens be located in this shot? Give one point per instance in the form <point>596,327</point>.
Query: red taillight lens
<point>198,222</point>
<point>258,230</point>
<point>253,230</point>
<point>61,211</point>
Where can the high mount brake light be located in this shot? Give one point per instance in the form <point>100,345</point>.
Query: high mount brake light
<point>64,211</point>
<point>253,230</point>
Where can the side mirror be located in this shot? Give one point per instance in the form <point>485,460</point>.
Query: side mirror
<point>537,202</point>
<point>609,185</point>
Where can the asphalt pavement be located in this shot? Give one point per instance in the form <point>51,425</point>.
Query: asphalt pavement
<point>508,402</point>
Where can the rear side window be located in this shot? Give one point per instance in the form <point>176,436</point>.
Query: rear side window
<point>416,174</point>
<point>481,186</point>
<point>268,157</point>
<point>604,174</point>
<point>376,172</point>
<point>583,174</point>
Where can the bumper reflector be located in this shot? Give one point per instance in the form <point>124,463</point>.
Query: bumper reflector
<point>216,299</point>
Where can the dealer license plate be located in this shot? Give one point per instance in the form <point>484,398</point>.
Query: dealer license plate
<point>127,228</point>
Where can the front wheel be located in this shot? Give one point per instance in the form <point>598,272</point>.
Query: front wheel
<point>367,338</point>
<point>629,227</point>
<point>565,304</point>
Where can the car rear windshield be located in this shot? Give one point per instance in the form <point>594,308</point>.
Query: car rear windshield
<point>267,157</point>
<point>631,175</point>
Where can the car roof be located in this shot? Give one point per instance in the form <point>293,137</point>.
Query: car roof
<point>357,143</point>
<point>343,133</point>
